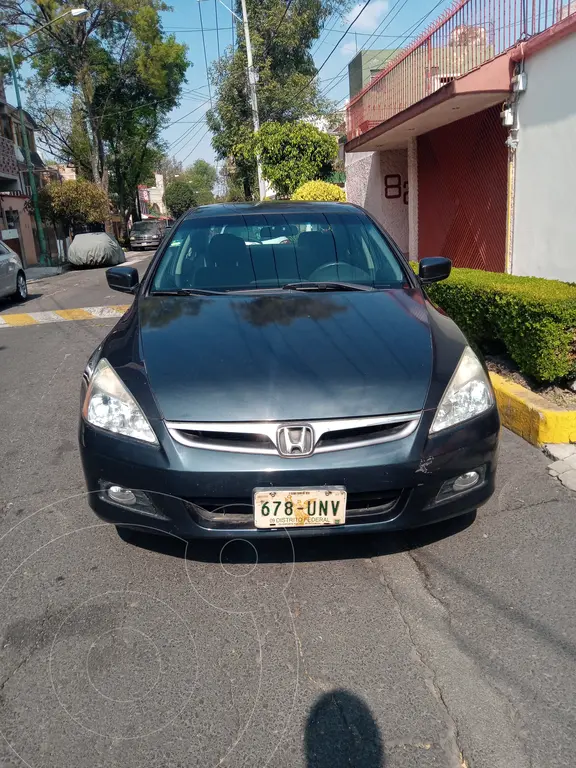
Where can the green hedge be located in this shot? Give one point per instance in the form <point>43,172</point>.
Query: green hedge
<point>533,318</point>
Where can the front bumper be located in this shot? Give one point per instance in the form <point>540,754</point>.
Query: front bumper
<point>145,243</point>
<point>201,493</point>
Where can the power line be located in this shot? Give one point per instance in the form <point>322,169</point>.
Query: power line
<point>180,119</point>
<point>217,32</point>
<point>197,29</point>
<point>205,56</point>
<point>196,145</point>
<point>348,28</point>
<point>288,4</point>
<point>405,35</point>
<point>325,33</point>
<point>185,135</point>
<point>385,19</point>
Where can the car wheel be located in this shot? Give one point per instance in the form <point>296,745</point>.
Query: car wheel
<point>21,293</point>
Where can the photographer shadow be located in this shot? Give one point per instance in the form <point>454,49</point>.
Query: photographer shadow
<point>342,732</point>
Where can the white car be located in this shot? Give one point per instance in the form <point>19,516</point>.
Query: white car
<point>12,276</point>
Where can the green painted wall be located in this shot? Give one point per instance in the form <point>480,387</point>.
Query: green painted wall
<point>363,66</point>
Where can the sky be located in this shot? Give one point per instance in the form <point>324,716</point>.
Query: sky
<point>390,24</point>
<point>383,24</point>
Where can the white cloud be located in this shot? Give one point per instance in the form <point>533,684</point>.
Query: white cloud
<point>348,49</point>
<point>370,18</point>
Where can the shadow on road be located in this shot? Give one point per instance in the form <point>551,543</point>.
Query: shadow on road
<point>341,731</point>
<point>305,549</point>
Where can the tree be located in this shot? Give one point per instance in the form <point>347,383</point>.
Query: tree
<point>179,198</point>
<point>292,154</point>
<point>108,82</point>
<point>170,168</point>
<point>202,177</point>
<point>282,37</point>
<point>76,204</point>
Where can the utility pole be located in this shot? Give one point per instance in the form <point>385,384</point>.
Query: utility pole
<point>252,78</point>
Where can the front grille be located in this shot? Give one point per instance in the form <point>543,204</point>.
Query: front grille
<point>372,506</point>
<point>263,437</point>
<point>230,441</point>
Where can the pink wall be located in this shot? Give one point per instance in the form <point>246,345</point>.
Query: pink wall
<point>27,243</point>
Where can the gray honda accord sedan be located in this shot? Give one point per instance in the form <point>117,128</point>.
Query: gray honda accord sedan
<point>281,367</point>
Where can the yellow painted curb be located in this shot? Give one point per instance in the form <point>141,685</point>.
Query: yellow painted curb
<point>22,319</point>
<point>531,416</point>
<point>74,314</point>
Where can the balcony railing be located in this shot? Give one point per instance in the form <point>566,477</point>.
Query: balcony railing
<point>467,35</point>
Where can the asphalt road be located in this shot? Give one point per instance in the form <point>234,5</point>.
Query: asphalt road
<point>453,647</point>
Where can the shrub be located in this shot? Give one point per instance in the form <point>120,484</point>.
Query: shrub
<point>533,318</point>
<point>320,191</point>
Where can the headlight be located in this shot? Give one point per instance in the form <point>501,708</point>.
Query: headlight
<point>468,394</point>
<point>133,237</point>
<point>108,405</point>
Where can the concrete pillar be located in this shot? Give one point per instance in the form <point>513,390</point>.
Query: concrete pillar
<point>378,181</point>
<point>413,199</point>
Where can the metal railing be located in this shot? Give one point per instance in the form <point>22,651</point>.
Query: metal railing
<point>467,35</point>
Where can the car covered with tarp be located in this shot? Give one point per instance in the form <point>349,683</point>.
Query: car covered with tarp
<point>95,249</point>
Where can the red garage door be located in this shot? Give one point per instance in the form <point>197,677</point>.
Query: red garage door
<point>462,192</point>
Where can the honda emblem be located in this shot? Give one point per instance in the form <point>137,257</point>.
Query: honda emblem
<point>295,441</point>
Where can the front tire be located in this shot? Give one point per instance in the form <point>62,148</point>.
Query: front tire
<point>21,293</point>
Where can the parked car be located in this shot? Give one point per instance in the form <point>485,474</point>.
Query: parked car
<point>95,249</point>
<point>12,275</point>
<point>308,385</point>
<point>148,233</point>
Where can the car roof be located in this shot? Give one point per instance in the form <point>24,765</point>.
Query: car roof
<point>289,206</point>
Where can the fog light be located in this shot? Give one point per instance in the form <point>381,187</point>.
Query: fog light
<point>121,495</point>
<point>461,484</point>
<point>465,482</point>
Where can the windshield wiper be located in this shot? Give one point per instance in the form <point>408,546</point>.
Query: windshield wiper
<point>187,292</point>
<point>330,285</point>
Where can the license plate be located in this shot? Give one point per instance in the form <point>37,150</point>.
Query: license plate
<point>299,508</point>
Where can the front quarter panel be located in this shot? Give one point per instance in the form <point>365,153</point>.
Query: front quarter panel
<point>448,344</point>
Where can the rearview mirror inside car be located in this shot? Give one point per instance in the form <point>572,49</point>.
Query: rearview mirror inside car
<point>123,279</point>
<point>433,269</point>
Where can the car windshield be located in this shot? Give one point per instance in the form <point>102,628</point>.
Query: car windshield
<point>267,251</point>
<point>145,227</point>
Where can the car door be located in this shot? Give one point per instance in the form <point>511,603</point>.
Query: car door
<point>6,287</point>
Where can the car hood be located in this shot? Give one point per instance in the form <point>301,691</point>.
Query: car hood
<point>291,356</point>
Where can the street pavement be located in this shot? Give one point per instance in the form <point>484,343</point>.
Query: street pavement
<point>450,647</point>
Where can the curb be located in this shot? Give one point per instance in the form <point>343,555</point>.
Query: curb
<point>39,273</point>
<point>531,416</point>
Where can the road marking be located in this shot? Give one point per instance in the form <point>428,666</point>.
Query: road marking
<point>60,315</point>
<point>74,314</point>
<point>19,320</point>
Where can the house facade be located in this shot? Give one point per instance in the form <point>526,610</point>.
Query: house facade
<point>462,146</point>
<point>17,227</point>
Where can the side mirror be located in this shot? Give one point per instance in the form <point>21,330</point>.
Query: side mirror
<point>433,269</point>
<point>123,279</point>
